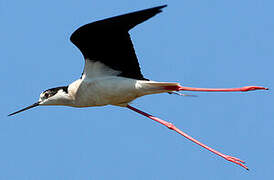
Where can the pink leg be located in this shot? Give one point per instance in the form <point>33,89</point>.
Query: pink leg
<point>172,127</point>
<point>182,88</point>
<point>246,88</point>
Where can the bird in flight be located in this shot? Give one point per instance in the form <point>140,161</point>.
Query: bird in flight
<point>112,75</point>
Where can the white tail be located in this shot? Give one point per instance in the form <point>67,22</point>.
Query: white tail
<point>152,87</point>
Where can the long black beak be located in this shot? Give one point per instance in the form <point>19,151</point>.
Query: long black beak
<point>26,108</point>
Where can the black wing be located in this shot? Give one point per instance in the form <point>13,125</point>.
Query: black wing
<point>108,41</point>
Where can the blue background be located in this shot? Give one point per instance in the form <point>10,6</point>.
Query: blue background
<point>203,43</point>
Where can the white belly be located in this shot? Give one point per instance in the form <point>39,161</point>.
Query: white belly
<point>106,90</point>
<point>112,90</point>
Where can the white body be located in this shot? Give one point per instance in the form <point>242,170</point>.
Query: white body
<point>101,86</point>
<point>112,90</point>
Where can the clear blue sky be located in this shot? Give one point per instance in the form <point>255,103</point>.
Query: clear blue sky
<point>204,43</point>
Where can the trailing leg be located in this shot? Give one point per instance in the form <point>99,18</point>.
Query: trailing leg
<point>172,127</point>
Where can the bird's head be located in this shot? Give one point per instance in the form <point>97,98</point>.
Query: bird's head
<point>53,96</point>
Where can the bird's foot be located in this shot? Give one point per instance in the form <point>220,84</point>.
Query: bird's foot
<point>236,161</point>
<point>253,88</point>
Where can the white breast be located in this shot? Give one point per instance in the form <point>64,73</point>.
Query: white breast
<point>95,90</point>
<point>104,90</point>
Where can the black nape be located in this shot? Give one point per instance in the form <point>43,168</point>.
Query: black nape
<point>53,91</point>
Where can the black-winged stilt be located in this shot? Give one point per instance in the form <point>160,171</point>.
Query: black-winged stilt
<point>112,75</point>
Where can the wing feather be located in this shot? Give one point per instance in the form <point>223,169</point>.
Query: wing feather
<point>108,42</point>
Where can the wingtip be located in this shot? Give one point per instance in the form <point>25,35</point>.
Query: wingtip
<point>159,8</point>
<point>163,6</point>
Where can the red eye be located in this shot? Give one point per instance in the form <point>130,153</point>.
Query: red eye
<point>46,95</point>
